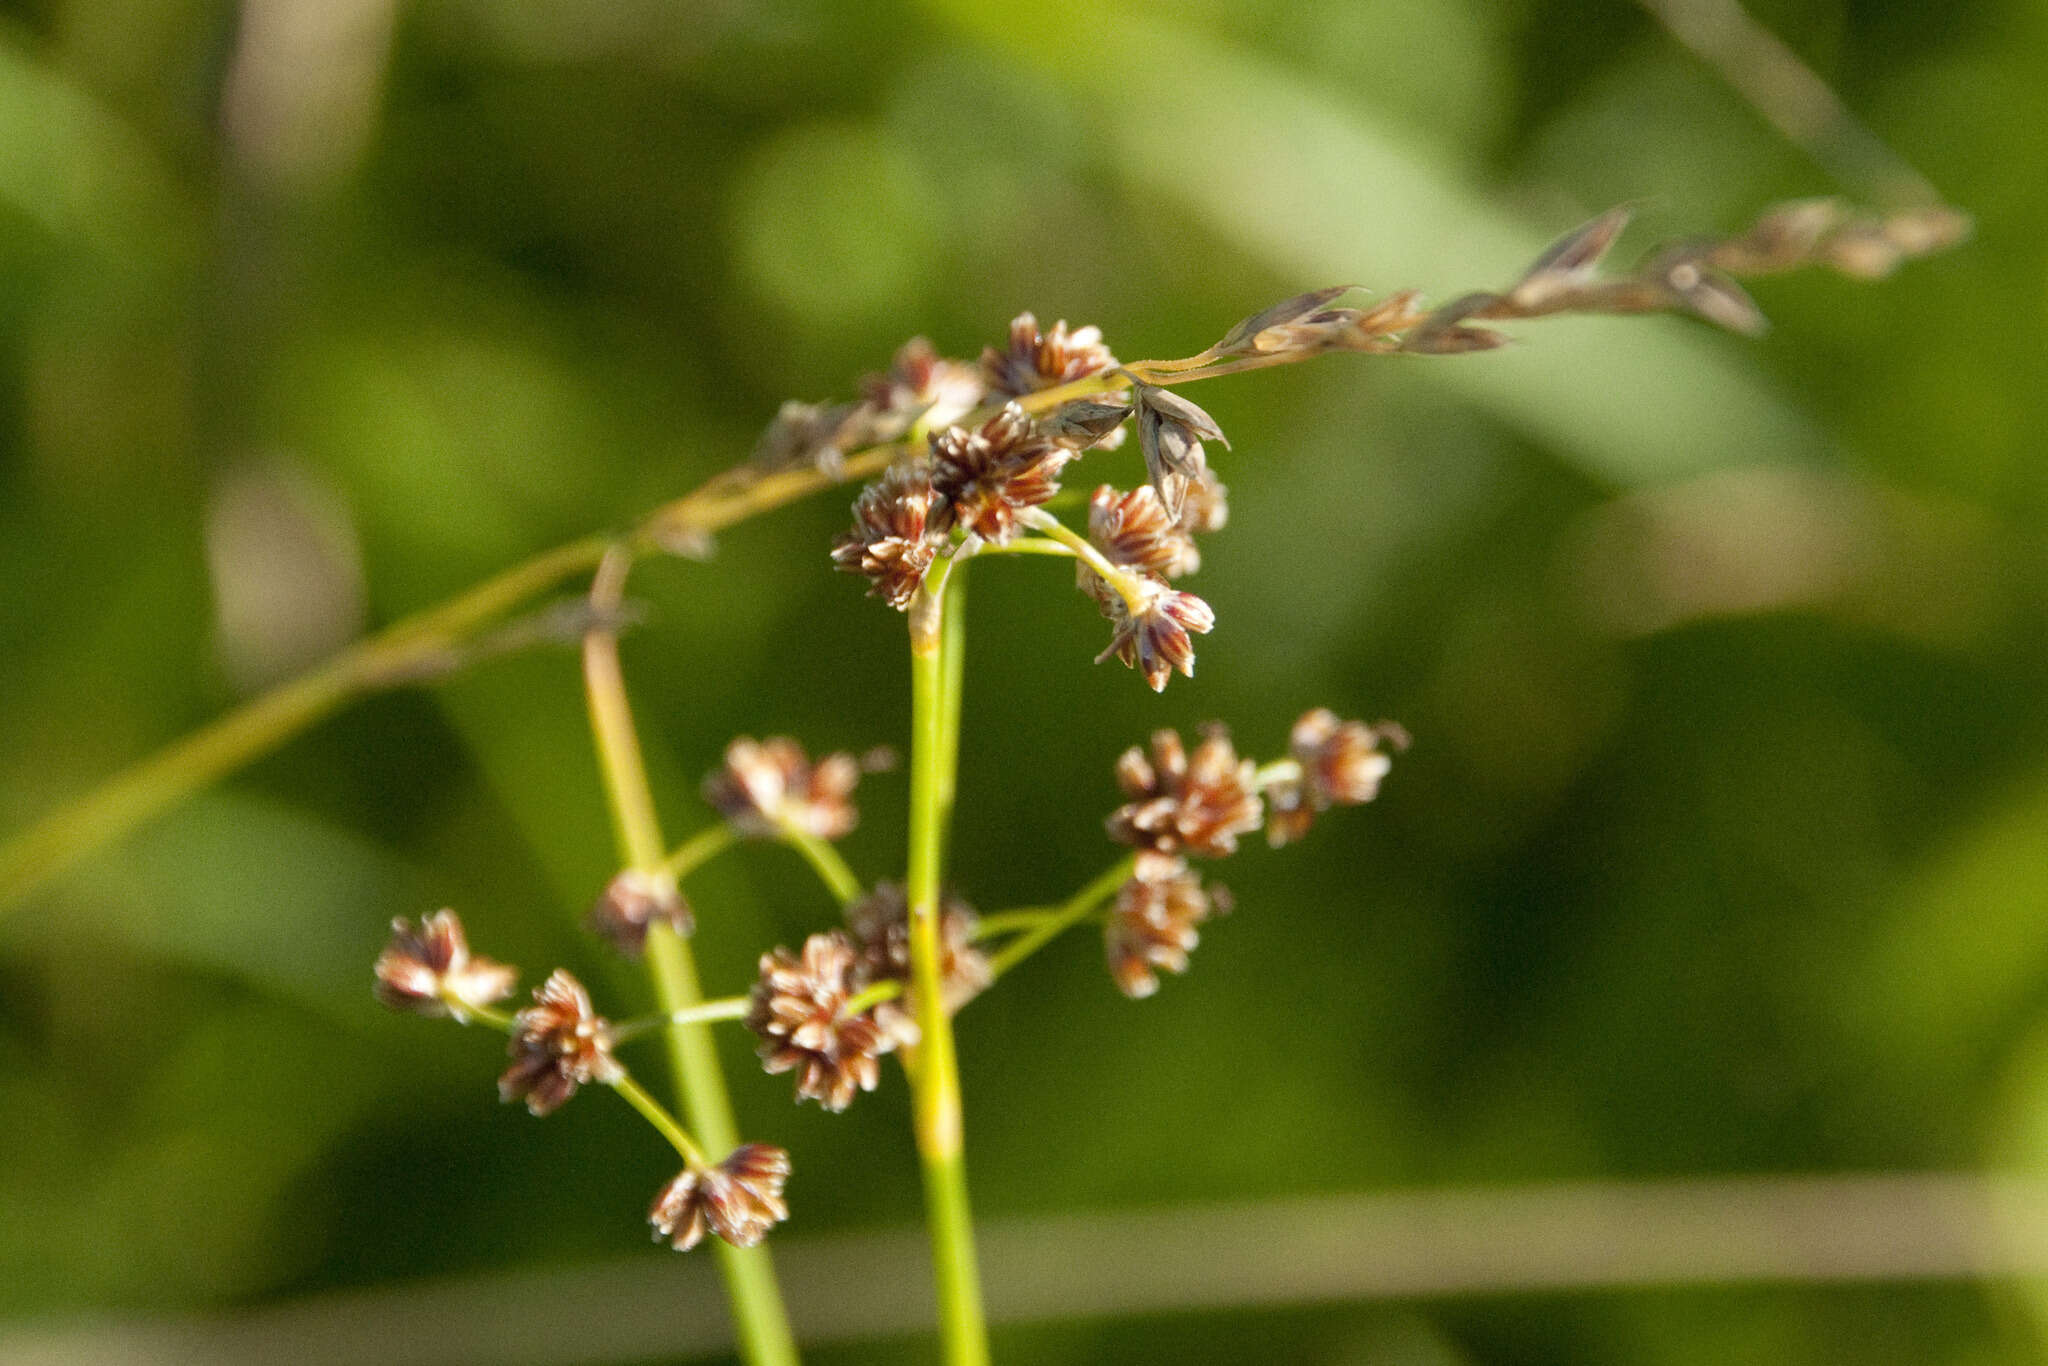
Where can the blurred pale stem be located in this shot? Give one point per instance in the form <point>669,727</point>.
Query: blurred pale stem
<point>711,1012</point>
<point>935,1080</point>
<point>825,861</point>
<point>698,850</point>
<point>1077,909</point>
<point>757,1308</point>
<point>657,1114</point>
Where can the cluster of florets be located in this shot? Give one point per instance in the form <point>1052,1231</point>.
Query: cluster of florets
<point>984,480</point>
<point>1183,805</point>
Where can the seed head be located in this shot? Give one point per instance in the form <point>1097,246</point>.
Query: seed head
<point>1041,360</point>
<point>634,900</point>
<point>1152,636</point>
<point>891,540</point>
<point>984,478</point>
<point>880,923</point>
<point>428,971</point>
<point>1185,803</point>
<point>768,785</point>
<point>558,1044</point>
<point>1171,431</point>
<point>798,1010</point>
<point>738,1199</point>
<point>1341,764</point>
<point>919,384</point>
<point>1151,927</point>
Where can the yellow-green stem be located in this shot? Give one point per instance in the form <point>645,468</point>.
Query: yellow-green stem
<point>698,850</point>
<point>757,1309</point>
<point>1072,913</point>
<point>655,1113</point>
<point>952,677</point>
<point>826,862</point>
<point>935,1080</point>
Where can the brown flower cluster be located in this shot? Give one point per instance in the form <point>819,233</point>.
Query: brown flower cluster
<point>1037,359</point>
<point>798,1007</point>
<point>1338,763</point>
<point>894,539</point>
<point>880,924</point>
<point>634,901</point>
<point>1185,803</point>
<point>919,386</point>
<point>739,1199</point>
<point>986,476</point>
<point>1152,925</point>
<point>558,1043</point>
<point>768,786</point>
<point>429,971</point>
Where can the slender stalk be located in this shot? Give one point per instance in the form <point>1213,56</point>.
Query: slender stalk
<point>952,677</point>
<point>826,862</point>
<point>1012,921</point>
<point>698,850</point>
<point>657,1114</point>
<point>1029,545</point>
<point>1072,913</point>
<point>757,1310</point>
<point>711,1012</point>
<point>935,1081</point>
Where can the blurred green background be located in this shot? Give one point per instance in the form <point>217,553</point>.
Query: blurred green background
<point>1723,846</point>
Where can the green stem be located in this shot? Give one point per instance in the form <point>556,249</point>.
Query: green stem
<point>1072,913</point>
<point>1012,921</point>
<point>698,850</point>
<point>711,1012</point>
<point>657,1114</point>
<point>1029,545</point>
<point>825,860</point>
<point>935,1080</point>
<point>757,1309</point>
<point>1121,580</point>
<point>952,677</point>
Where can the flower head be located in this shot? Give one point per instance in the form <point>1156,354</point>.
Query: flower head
<point>985,477</point>
<point>880,923</point>
<point>813,434</point>
<point>892,541</point>
<point>738,1199</point>
<point>1341,764</point>
<point>798,1009</point>
<point>429,971</point>
<point>558,1044</point>
<point>1151,926</point>
<point>633,901</point>
<point>770,785</point>
<point>1038,359</point>
<point>1151,634</point>
<point>1185,803</point>
<point>1135,530</point>
<point>919,384</point>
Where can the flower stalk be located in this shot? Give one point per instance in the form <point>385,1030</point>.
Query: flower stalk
<point>935,1079</point>
<point>756,1297</point>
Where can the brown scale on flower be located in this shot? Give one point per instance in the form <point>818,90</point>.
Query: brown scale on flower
<point>797,1007</point>
<point>984,478</point>
<point>429,971</point>
<point>1152,926</point>
<point>1184,803</point>
<point>766,786</point>
<point>1038,360</point>
<point>1341,763</point>
<point>632,902</point>
<point>1152,636</point>
<point>558,1044</point>
<point>891,540</point>
<point>880,923</point>
<point>739,1199</point>
<point>919,385</point>
<point>1135,530</point>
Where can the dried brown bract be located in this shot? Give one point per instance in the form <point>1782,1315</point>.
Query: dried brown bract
<point>429,971</point>
<point>739,1199</point>
<point>1184,803</point>
<point>798,1009</point>
<point>1340,763</point>
<point>1086,424</point>
<point>1171,431</point>
<point>1038,360</point>
<point>985,477</point>
<point>558,1044</point>
<point>880,922</point>
<point>892,541</point>
<point>768,786</point>
<point>635,900</point>
<point>1152,927</point>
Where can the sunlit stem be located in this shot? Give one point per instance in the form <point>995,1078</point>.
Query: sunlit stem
<point>711,1012</point>
<point>657,1114</point>
<point>825,861</point>
<point>1077,908</point>
<point>1127,585</point>
<point>758,1315</point>
<point>698,850</point>
<point>998,923</point>
<point>1277,771</point>
<point>935,1080</point>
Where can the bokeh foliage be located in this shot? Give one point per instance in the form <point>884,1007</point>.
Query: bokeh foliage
<point>1723,846</point>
